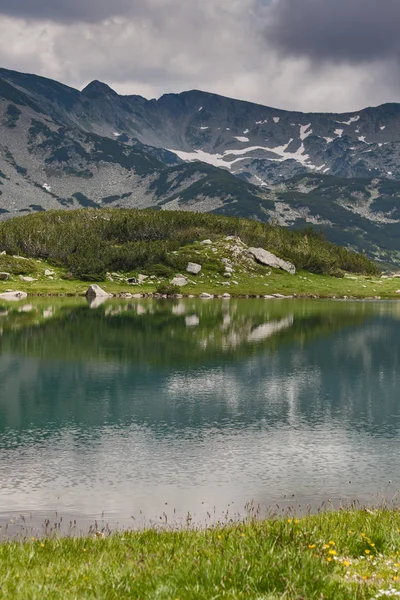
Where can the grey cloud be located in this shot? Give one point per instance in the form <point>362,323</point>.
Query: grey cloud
<point>351,31</point>
<point>66,10</point>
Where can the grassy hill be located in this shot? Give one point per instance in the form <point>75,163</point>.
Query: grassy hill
<point>90,243</point>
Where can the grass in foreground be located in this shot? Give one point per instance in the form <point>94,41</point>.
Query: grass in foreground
<point>342,555</point>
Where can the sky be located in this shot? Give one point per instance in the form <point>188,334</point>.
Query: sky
<point>309,55</point>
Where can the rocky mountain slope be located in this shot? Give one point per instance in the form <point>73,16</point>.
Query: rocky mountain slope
<point>204,152</point>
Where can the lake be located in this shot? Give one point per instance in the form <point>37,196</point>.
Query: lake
<point>139,412</point>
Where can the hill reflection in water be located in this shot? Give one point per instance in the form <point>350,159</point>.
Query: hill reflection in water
<point>130,405</point>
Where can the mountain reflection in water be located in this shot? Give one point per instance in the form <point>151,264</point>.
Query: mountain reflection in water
<point>129,405</point>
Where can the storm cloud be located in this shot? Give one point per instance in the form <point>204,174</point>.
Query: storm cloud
<point>323,55</point>
<point>351,31</point>
<point>65,10</point>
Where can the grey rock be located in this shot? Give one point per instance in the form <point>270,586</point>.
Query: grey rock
<point>226,296</point>
<point>27,279</point>
<point>179,280</point>
<point>4,276</point>
<point>206,296</point>
<point>95,291</point>
<point>267,258</point>
<point>227,274</point>
<point>193,268</point>
<point>142,278</point>
<point>206,242</point>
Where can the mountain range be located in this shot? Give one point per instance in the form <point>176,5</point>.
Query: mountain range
<point>60,147</point>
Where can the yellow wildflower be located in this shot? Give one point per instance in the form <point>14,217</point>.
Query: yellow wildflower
<point>289,520</point>
<point>329,559</point>
<point>333,552</point>
<point>368,552</point>
<point>331,543</point>
<point>311,545</point>
<point>346,563</point>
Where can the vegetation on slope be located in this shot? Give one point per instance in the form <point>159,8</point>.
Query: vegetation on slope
<point>347,555</point>
<point>89,243</point>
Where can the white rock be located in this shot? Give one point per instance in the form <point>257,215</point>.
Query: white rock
<point>27,279</point>
<point>267,258</point>
<point>142,278</point>
<point>206,242</point>
<point>227,283</point>
<point>3,253</point>
<point>13,296</point>
<point>49,273</point>
<point>206,296</point>
<point>227,274</point>
<point>179,280</point>
<point>193,268</point>
<point>226,296</point>
<point>95,291</point>
<point>229,269</point>
<point>397,291</point>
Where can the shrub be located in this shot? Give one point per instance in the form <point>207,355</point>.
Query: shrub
<point>167,288</point>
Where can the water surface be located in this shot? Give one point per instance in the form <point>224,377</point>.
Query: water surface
<point>146,409</point>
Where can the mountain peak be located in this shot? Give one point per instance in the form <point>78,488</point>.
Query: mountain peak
<point>96,89</point>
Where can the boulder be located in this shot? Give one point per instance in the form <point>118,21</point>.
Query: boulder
<point>267,258</point>
<point>4,276</point>
<point>95,291</point>
<point>206,242</point>
<point>206,296</point>
<point>226,296</point>
<point>193,268</point>
<point>397,291</point>
<point>13,296</point>
<point>132,280</point>
<point>142,278</point>
<point>179,280</point>
<point>27,279</point>
<point>49,273</point>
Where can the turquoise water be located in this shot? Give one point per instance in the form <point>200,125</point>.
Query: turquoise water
<point>146,410</point>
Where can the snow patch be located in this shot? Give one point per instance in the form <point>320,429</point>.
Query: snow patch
<point>361,138</point>
<point>350,121</point>
<point>276,119</point>
<point>326,170</point>
<point>217,160</point>
<point>240,138</point>
<point>328,140</point>
<point>389,172</point>
<point>116,134</point>
<point>261,122</point>
<point>339,132</point>
<point>305,131</point>
<point>246,131</point>
<point>47,187</point>
<point>203,127</point>
<point>382,127</point>
<point>201,108</point>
